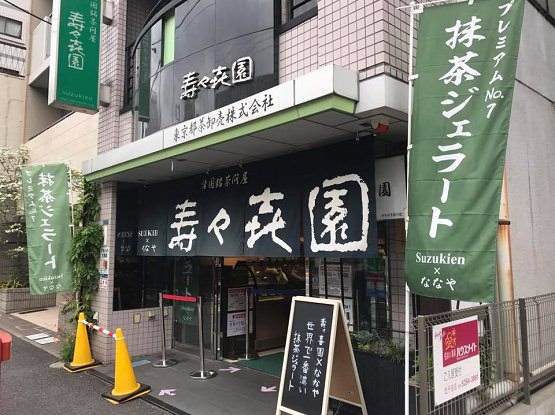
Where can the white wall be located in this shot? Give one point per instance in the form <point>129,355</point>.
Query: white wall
<point>11,110</point>
<point>72,139</point>
<point>531,160</point>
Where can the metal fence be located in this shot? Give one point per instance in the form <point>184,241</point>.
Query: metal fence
<point>12,58</point>
<point>517,355</point>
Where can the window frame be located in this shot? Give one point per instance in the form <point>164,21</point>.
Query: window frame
<point>5,20</point>
<point>290,21</point>
<point>168,37</point>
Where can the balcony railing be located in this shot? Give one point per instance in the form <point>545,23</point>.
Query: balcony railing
<point>12,58</point>
<point>40,55</point>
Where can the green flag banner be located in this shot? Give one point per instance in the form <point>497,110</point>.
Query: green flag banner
<point>47,218</point>
<point>466,64</point>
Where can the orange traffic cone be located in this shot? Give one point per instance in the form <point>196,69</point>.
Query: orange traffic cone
<point>82,357</point>
<point>126,386</point>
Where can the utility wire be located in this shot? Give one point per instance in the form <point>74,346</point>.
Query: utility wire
<point>25,11</point>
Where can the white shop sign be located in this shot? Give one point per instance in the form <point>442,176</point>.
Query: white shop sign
<point>247,109</point>
<point>456,351</point>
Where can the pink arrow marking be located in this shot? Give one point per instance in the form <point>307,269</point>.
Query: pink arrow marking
<point>230,369</point>
<point>170,392</point>
<point>266,390</point>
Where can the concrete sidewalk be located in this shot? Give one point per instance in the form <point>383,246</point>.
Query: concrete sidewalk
<point>542,403</point>
<point>235,390</point>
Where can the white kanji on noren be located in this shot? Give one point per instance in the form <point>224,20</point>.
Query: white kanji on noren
<point>220,223</point>
<point>256,229</point>
<point>181,223</point>
<point>336,214</point>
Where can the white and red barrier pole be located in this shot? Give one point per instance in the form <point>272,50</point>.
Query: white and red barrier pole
<point>98,328</point>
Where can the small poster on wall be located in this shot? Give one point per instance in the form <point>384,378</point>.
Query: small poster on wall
<point>236,323</point>
<point>333,272</point>
<point>236,299</point>
<point>391,188</point>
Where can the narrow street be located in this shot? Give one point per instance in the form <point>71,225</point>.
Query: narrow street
<point>32,382</point>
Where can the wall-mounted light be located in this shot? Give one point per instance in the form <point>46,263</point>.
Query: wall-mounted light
<point>381,127</point>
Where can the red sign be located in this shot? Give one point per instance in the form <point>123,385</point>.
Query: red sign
<point>460,342</point>
<point>456,350</point>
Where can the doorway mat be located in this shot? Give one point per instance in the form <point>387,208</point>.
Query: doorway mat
<point>270,364</point>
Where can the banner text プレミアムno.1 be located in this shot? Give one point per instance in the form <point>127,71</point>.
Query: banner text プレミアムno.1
<point>466,64</point>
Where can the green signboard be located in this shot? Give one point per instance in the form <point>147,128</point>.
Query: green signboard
<point>466,64</point>
<point>47,218</point>
<point>74,61</point>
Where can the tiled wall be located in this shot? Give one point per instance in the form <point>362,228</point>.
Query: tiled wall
<point>112,71</point>
<point>298,50</point>
<point>137,13</point>
<point>369,36</point>
<point>141,338</point>
<point>102,346</point>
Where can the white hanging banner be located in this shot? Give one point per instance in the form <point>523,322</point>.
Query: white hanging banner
<point>391,189</point>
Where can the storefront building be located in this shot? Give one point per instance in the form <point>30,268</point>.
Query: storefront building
<point>260,145</point>
<point>242,165</point>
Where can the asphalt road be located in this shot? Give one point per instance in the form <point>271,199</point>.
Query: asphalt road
<point>29,386</point>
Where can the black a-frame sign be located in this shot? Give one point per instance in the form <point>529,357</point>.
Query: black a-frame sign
<point>319,363</point>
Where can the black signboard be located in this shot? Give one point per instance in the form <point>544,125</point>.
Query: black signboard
<point>262,209</point>
<point>126,224</point>
<point>307,357</point>
<point>151,226</point>
<point>319,363</point>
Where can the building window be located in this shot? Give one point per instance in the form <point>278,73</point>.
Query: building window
<point>10,27</point>
<point>295,12</point>
<point>299,7</point>
<point>169,37</point>
<point>129,75</point>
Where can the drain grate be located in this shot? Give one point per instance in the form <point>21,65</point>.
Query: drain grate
<point>32,311</point>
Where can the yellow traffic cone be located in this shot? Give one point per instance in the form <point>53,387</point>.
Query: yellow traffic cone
<point>82,357</point>
<point>126,386</point>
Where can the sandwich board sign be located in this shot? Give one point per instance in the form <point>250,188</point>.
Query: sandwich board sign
<point>319,362</point>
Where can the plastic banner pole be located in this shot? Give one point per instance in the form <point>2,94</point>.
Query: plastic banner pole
<point>202,374</point>
<point>164,362</point>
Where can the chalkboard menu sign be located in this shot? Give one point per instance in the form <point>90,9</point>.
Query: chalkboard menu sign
<point>307,357</point>
<point>319,363</point>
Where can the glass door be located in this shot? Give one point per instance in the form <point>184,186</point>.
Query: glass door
<point>194,276</point>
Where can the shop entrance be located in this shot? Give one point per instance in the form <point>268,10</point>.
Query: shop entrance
<point>196,276</point>
<point>271,283</point>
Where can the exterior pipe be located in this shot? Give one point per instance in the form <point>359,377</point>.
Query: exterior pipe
<point>505,280</point>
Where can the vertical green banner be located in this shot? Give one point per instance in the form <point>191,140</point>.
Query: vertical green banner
<point>47,218</point>
<point>75,55</point>
<point>466,64</point>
